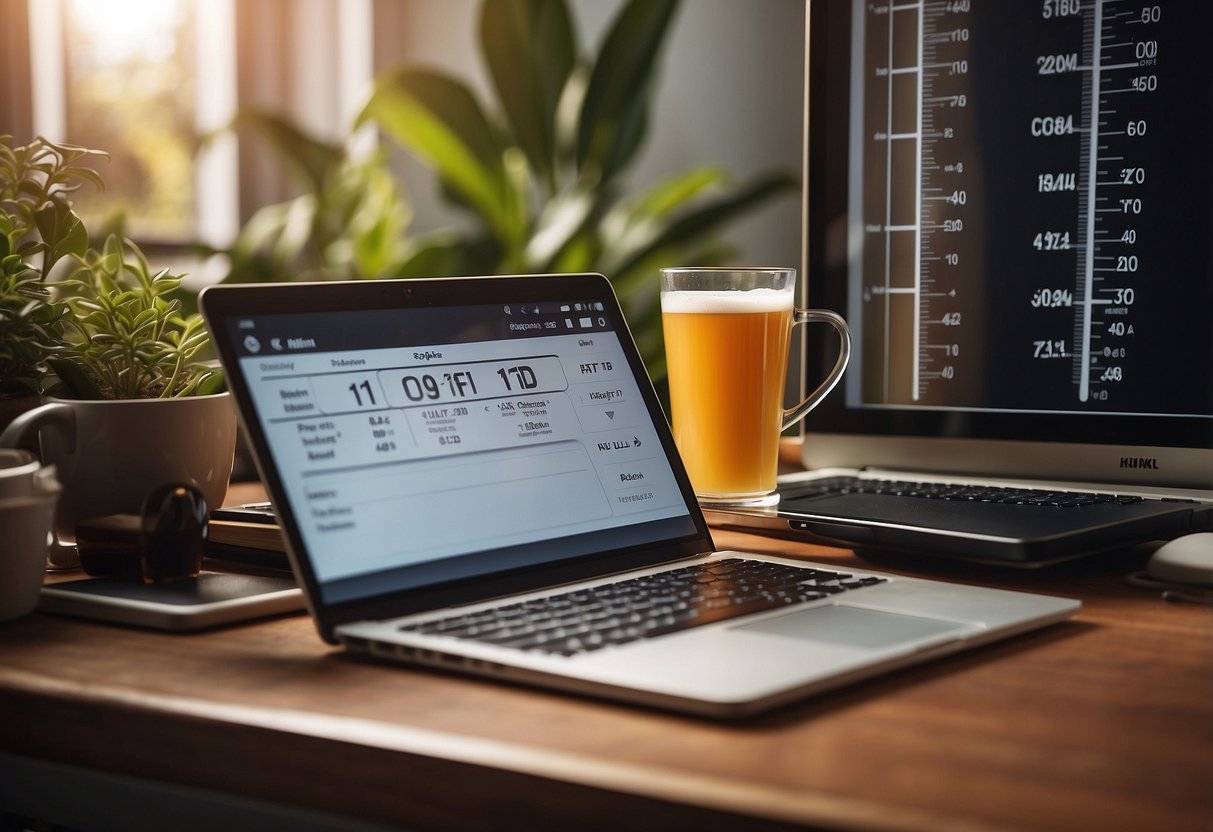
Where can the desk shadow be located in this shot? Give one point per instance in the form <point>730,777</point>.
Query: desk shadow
<point>186,632</point>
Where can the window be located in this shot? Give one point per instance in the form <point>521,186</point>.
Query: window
<point>144,81</point>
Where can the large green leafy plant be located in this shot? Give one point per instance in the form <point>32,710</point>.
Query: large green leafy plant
<point>106,325</point>
<point>349,223</point>
<point>539,174</point>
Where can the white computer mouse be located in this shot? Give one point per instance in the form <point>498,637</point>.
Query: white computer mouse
<point>1184,560</point>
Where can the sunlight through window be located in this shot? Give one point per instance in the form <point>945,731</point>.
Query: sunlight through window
<point>130,92</point>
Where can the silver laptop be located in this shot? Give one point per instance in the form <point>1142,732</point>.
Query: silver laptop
<point>475,474</point>
<point>999,202</point>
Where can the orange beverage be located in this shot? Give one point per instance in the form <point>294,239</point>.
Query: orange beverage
<point>727,354</point>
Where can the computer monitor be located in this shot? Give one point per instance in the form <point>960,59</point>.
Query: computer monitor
<point>1012,204</point>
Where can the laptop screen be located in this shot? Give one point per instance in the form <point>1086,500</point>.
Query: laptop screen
<point>1012,205</point>
<point>417,447</point>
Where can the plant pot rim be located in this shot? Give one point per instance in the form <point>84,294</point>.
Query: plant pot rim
<point>57,399</point>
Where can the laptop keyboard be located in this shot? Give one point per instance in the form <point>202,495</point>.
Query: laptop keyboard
<point>645,607</point>
<point>953,491</point>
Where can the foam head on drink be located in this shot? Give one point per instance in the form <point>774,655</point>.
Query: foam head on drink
<point>727,354</point>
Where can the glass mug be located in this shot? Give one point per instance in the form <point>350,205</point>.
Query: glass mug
<point>727,337</point>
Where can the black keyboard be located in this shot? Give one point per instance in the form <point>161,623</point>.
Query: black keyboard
<point>645,607</point>
<point>955,491</point>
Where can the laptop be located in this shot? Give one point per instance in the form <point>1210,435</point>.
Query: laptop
<point>475,474</point>
<point>1029,296</point>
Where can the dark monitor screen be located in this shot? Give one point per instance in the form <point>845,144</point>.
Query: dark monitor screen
<point>1013,203</point>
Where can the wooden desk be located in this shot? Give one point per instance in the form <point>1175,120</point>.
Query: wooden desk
<point>1104,722</point>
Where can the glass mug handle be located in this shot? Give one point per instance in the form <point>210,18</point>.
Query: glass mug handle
<point>807,316</point>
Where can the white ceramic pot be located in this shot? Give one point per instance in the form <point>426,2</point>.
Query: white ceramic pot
<point>25,528</point>
<point>17,470</point>
<point>110,454</point>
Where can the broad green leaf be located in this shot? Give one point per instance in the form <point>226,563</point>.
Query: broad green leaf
<point>568,116</point>
<point>668,196</point>
<point>707,219</point>
<point>530,48</point>
<point>445,253</point>
<point>440,120</point>
<point>634,224</point>
<point>310,158</point>
<point>561,219</point>
<point>30,247</point>
<point>579,254</point>
<point>612,114</point>
<point>375,223</point>
<point>275,234</point>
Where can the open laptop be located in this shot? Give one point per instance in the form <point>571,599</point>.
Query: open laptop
<point>1030,296</point>
<point>466,469</point>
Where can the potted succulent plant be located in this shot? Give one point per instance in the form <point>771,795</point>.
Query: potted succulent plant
<point>131,405</point>
<point>128,337</point>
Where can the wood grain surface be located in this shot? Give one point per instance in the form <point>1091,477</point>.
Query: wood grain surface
<point>1104,722</point>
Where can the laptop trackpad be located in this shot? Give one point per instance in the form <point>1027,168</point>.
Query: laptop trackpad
<point>853,626</point>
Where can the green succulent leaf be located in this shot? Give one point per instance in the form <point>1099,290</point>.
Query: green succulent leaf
<point>210,384</point>
<point>77,381</point>
<point>129,336</point>
<point>61,230</point>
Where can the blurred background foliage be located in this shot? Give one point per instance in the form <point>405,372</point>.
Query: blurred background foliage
<point>537,171</point>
